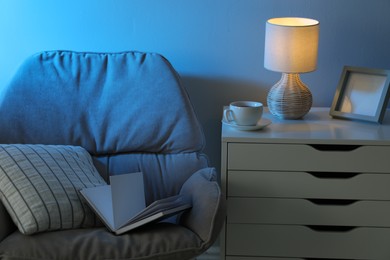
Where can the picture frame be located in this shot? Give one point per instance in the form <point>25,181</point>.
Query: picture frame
<point>362,94</point>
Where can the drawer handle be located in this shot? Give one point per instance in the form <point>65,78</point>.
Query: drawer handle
<point>319,228</point>
<point>324,259</point>
<point>334,147</point>
<point>334,175</point>
<point>331,202</point>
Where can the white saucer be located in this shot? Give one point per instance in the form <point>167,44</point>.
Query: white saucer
<point>260,125</point>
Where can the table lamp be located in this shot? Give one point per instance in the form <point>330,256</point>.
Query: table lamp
<point>291,46</point>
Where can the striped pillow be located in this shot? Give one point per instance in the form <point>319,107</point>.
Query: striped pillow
<point>39,186</point>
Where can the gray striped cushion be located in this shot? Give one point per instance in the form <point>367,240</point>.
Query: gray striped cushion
<point>39,186</point>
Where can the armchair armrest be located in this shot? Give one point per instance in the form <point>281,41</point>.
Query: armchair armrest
<point>208,212</point>
<point>6,224</point>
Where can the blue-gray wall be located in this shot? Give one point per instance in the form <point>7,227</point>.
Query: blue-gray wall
<point>216,45</point>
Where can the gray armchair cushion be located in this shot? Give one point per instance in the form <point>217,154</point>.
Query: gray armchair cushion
<point>105,102</point>
<point>163,241</point>
<point>208,205</point>
<point>164,174</point>
<point>6,224</point>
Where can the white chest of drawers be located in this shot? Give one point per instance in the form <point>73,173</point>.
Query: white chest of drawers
<point>317,188</point>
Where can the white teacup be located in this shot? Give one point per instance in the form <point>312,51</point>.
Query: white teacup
<point>243,112</point>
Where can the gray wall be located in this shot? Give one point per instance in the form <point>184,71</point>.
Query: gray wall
<point>215,45</point>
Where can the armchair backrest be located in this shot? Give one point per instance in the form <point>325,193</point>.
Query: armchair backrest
<point>127,109</point>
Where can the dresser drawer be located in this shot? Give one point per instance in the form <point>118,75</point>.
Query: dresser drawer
<point>308,212</point>
<point>299,157</point>
<point>304,242</point>
<point>308,185</point>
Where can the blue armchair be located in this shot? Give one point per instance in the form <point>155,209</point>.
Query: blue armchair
<point>130,113</point>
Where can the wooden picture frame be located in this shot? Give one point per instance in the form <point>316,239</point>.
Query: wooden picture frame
<point>362,94</point>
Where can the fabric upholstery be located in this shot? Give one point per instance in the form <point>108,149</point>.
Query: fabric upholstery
<point>39,186</point>
<point>163,241</point>
<point>164,174</point>
<point>105,102</point>
<point>131,113</point>
<point>205,219</point>
<point>6,224</point>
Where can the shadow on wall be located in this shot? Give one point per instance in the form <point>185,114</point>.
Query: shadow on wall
<point>208,97</point>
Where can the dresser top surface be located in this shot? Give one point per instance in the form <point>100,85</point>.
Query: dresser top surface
<point>317,127</point>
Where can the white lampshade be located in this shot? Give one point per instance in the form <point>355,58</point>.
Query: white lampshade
<point>291,44</point>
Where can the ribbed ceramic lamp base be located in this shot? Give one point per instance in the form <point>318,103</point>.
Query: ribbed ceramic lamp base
<point>290,98</point>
